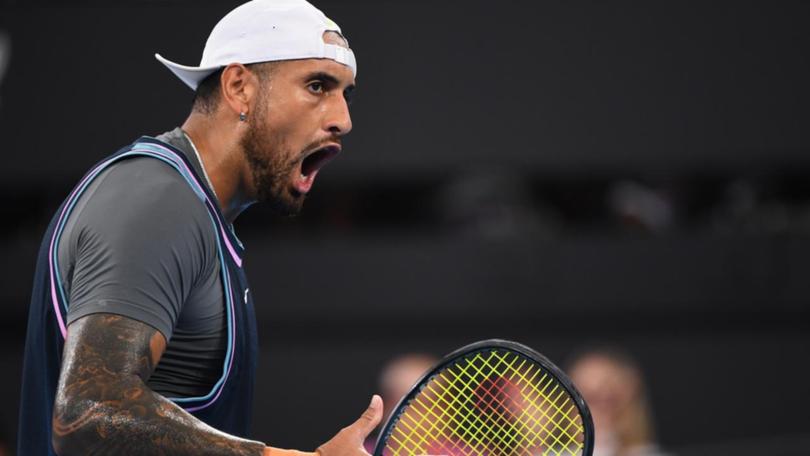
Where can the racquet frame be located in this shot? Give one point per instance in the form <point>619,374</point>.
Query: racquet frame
<point>482,346</point>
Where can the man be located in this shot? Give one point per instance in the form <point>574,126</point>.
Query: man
<point>141,334</point>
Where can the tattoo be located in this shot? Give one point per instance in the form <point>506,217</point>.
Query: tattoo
<point>103,405</point>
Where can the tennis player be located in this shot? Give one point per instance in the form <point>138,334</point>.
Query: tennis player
<point>141,333</point>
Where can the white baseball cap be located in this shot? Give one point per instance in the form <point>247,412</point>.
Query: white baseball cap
<point>265,31</point>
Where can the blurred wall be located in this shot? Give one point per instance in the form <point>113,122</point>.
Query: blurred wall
<point>702,105</point>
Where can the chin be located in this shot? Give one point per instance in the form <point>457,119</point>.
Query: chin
<point>279,193</point>
<point>285,205</point>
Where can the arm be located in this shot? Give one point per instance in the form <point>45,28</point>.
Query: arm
<point>103,405</point>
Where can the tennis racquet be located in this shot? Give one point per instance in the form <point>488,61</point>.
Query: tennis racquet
<point>490,398</point>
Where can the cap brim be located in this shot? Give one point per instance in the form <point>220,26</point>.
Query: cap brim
<point>191,76</point>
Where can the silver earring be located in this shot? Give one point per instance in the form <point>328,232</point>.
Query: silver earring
<point>242,117</point>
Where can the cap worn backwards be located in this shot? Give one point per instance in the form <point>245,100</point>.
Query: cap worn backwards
<point>265,31</point>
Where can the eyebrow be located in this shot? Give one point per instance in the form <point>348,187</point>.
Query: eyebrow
<point>328,78</point>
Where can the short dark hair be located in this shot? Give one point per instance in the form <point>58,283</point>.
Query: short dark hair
<point>207,95</point>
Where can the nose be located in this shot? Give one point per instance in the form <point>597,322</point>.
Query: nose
<point>338,119</point>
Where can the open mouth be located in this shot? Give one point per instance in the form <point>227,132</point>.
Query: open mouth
<point>316,160</point>
<point>311,164</point>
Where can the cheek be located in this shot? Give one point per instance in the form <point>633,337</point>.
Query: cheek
<point>285,130</point>
<point>300,118</point>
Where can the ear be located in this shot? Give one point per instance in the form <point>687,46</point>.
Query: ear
<point>238,87</point>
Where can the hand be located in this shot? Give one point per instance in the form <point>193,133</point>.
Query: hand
<point>349,441</point>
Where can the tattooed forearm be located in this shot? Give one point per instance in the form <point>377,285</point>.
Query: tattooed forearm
<point>103,405</point>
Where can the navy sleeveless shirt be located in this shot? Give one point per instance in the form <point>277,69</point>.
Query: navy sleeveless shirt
<point>227,406</point>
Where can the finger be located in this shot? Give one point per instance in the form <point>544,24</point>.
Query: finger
<point>370,418</point>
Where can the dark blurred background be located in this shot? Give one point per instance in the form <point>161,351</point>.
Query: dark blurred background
<point>561,173</point>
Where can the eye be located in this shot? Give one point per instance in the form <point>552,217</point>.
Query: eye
<point>348,94</point>
<point>315,87</point>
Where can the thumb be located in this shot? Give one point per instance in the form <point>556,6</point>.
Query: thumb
<point>370,418</point>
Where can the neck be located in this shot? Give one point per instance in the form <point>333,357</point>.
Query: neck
<point>223,161</point>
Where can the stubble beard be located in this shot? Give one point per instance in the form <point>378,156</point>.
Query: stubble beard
<point>265,152</point>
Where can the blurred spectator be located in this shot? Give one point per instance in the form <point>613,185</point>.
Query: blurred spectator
<point>612,384</point>
<point>640,206</point>
<point>395,381</point>
<point>749,207</point>
<point>494,204</point>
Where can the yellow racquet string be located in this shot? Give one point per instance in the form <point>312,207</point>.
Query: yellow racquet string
<point>510,367</point>
<point>467,409</point>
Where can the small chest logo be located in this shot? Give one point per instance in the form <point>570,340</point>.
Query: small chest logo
<point>247,290</point>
